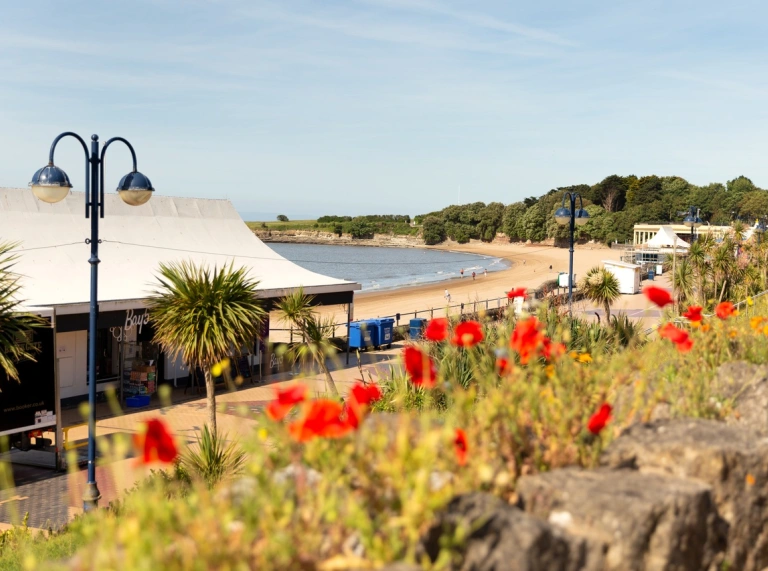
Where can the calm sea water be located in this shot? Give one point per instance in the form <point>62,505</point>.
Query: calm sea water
<point>387,268</point>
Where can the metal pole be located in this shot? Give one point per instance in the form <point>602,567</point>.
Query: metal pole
<point>349,321</point>
<point>91,495</point>
<point>570,256</point>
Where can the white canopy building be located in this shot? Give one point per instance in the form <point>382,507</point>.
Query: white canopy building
<point>666,238</point>
<point>53,263</point>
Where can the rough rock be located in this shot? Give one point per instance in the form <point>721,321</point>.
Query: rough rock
<point>747,385</point>
<point>499,537</point>
<point>732,461</point>
<point>643,521</point>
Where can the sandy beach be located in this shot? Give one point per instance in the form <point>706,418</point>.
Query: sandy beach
<point>530,268</point>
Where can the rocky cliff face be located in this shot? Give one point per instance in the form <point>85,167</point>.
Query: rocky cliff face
<point>316,237</point>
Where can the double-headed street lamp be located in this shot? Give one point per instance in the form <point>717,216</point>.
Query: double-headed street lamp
<point>565,215</point>
<point>692,220</point>
<point>51,184</point>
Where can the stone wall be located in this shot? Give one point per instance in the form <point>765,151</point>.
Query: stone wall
<point>316,237</point>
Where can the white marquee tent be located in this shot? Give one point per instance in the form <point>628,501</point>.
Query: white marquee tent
<point>53,254</point>
<point>666,238</point>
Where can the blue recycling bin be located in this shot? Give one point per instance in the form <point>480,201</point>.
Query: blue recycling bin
<point>651,275</point>
<point>417,328</point>
<point>360,335</point>
<point>385,331</point>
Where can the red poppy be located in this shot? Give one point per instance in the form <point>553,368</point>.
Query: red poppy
<point>725,310</point>
<point>360,396</point>
<point>517,292</point>
<point>156,444</point>
<point>467,334</point>
<point>694,313</point>
<point>285,400</point>
<point>323,418</point>
<point>420,367</point>
<point>552,350</point>
<point>659,296</point>
<point>678,336</point>
<point>527,338</point>
<point>503,366</point>
<point>460,446</point>
<point>437,329</point>
<point>598,420</point>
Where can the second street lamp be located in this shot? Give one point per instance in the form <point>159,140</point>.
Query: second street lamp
<point>692,220</point>
<point>51,184</point>
<point>570,215</point>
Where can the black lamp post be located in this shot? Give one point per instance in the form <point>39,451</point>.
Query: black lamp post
<point>571,216</point>
<point>692,220</point>
<point>760,228</point>
<point>51,184</point>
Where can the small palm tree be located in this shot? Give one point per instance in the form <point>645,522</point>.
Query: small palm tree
<point>315,332</point>
<point>683,280</point>
<point>14,324</point>
<point>601,286</point>
<point>203,315</point>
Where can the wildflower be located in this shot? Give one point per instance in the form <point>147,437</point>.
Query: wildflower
<point>598,420</point>
<point>467,334</point>
<point>725,310</point>
<point>678,336</point>
<point>750,480</point>
<point>285,400</point>
<point>437,329</point>
<point>420,367</point>
<point>360,396</point>
<point>517,292</point>
<point>706,327</point>
<point>323,418</point>
<point>552,350</point>
<point>460,446</point>
<point>658,296</point>
<point>693,314</point>
<point>756,322</point>
<point>156,443</point>
<point>526,338</point>
<point>549,371</point>
<point>732,334</point>
<point>750,301</point>
<point>585,358</point>
<point>503,366</point>
<point>220,367</point>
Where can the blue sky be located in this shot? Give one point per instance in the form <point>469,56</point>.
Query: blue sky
<point>373,106</point>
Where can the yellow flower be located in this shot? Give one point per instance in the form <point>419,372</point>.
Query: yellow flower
<point>585,358</point>
<point>573,355</point>
<point>262,434</point>
<point>550,371</point>
<point>750,302</point>
<point>750,479</point>
<point>695,324</point>
<point>765,330</point>
<point>220,367</point>
<point>754,322</point>
<point>706,327</point>
<point>733,333</point>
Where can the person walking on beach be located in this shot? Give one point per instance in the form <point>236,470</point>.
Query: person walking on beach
<point>473,276</point>
<point>485,272</point>
<point>447,296</point>
<point>461,272</point>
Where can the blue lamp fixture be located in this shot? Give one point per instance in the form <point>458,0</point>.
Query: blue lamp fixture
<point>572,216</point>
<point>51,184</point>
<point>692,220</point>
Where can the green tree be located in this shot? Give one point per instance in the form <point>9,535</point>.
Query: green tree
<point>14,323</point>
<point>282,218</point>
<point>433,230</point>
<point>203,315</point>
<point>512,221</point>
<point>338,229</point>
<point>601,286</point>
<point>754,205</point>
<point>535,223</point>
<point>359,228</point>
<point>315,333</point>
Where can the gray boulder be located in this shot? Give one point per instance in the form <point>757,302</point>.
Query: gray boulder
<point>731,461</point>
<point>746,385</point>
<point>641,521</point>
<point>491,535</point>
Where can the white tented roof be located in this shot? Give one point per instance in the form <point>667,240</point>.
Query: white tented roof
<point>53,256</point>
<point>665,238</point>
<point>618,264</point>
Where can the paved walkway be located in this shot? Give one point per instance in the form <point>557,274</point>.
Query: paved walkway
<point>52,498</point>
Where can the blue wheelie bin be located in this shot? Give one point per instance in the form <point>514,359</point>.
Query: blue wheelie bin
<point>651,274</point>
<point>386,329</point>
<point>360,335</point>
<point>417,328</point>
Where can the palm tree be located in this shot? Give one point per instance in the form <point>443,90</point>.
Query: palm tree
<point>683,280</point>
<point>601,286</point>
<point>14,324</point>
<point>297,308</point>
<point>697,256</point>
<point>203,315</point>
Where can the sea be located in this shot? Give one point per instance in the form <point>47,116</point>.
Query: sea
<point>380,268</point>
